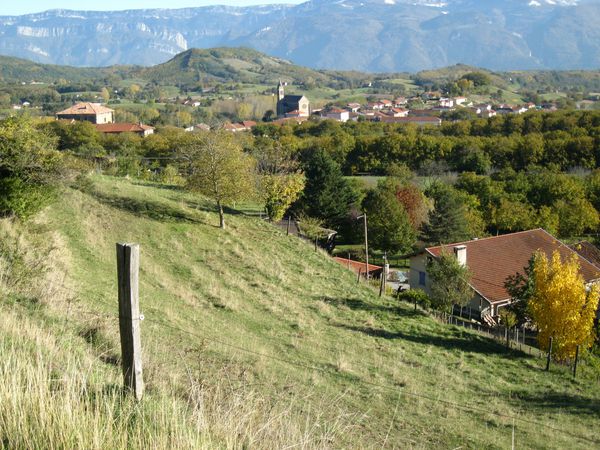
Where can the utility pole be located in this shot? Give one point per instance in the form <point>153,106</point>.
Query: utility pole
<point>364,217</point>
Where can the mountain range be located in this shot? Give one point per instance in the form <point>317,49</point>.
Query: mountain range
<point>365,35</point>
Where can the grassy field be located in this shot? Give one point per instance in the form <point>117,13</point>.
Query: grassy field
<point>251,340</point>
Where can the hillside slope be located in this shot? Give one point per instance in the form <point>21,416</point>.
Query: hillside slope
<point>252,339</point>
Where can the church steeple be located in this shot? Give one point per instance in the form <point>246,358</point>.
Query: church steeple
<point>280,91</point>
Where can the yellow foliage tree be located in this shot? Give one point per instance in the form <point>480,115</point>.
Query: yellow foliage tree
<point>279,191</point>
<point>561,306</point>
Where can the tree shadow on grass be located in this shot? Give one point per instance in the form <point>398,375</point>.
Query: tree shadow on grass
<point>212,207</point>
<point>145,208</point>
<point>157,185</point>
<point>357,304</point>
<point>454,340</point>
<point>566,403</point>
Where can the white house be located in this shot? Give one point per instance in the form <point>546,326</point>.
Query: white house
<point>445,102</point>
<point>341,115</point>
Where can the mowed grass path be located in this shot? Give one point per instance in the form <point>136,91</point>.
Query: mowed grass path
<point>364,372</point>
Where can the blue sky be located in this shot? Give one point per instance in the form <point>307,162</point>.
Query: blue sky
<point>31,6</point>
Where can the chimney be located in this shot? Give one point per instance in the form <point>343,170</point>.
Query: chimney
<point>460,251</point>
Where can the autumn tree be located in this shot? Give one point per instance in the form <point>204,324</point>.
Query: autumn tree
<point>218,168</point>
<point>281,180</point>
<point>449,282</point>
<point>561,306</point>
<point>105,94</point>
<point>509,319</point>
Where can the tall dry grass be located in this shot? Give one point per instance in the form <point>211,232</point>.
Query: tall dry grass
<point>53,396</point>
<point>56,390</point>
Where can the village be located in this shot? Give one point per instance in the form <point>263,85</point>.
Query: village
<point>297,109</point>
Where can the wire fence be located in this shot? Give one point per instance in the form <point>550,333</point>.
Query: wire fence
<point>325,368</point>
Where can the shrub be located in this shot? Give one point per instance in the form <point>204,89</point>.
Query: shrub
<point>30,167</point>
<point>21,198</point>
<point>417,296</point>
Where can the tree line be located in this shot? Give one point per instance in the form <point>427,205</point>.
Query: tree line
<point>302,170</point>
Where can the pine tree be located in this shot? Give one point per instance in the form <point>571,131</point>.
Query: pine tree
<point>327,194</point>
<point>448,220</point>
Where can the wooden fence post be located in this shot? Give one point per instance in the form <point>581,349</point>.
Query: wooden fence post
<point>128,265</point>
<point>549,355</point>
<point>381,286</point>
<point>575,363</point>
<point>359,272</point>
<point>287,231</point>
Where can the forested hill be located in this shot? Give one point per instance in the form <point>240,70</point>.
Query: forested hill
<point>240,65</point>
<point>191,67</point>
<point>200,67</point>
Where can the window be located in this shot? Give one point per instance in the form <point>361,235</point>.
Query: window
<point>421,278</point>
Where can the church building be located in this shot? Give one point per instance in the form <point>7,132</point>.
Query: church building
<point>291,105</point>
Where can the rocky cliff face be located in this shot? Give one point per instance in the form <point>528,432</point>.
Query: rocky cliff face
<point>372,35</point>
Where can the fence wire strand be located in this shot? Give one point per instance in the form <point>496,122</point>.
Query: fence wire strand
<point>310,367</point>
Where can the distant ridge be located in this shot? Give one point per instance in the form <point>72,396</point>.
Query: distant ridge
<point>365,35</point>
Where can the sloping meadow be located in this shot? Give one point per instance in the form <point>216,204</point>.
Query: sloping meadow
<point>251,339</point>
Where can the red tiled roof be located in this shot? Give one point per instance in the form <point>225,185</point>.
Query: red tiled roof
<point>423,119</point>
<point>356,265</point>
<point>285,120</point>
<point>588,251</point>
<point>86,108</point>
<point>122,127</point>
<point>492,260</point>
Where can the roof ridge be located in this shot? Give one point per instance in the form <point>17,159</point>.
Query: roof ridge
<point>569,247</point>
<point>491,237</point>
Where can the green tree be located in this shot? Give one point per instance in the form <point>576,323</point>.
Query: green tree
<point>30,167</point>
<point>448,220</point>
<point>575,217</point>
<point>520,287</point>
<point>449,282</point>
<point>74,136</point>
<point>327,194</point>
<point>389,224</point>
<point>219,169</point>
<point>512,216</point>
